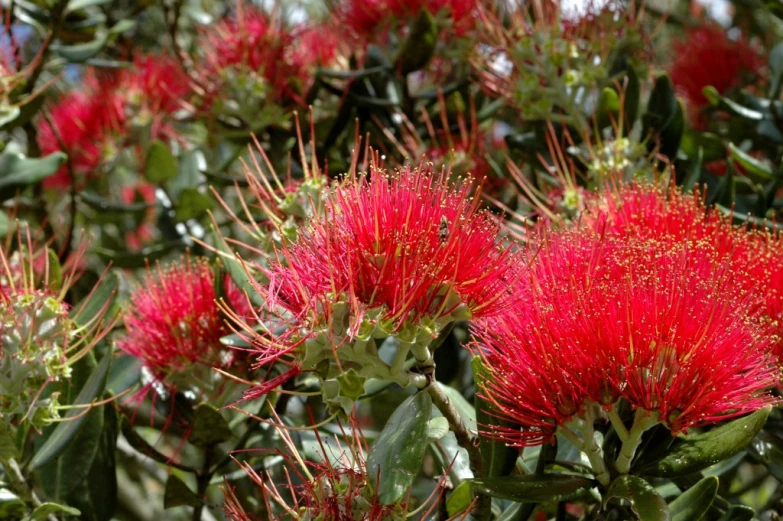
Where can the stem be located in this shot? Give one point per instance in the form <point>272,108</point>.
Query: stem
<point>202,481</point>
<point>617,423</point>
<point>588,445</point>
<point>643,420</point>
<point>592,450</point>
<point>466,440</point>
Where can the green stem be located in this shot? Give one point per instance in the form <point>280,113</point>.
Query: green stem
<point>588,445</point>
<point>202,481</point>
<point>643,421</point>
<point>617,423</point>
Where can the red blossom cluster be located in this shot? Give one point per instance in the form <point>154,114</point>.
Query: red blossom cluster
<point>403,242</point>
<point>366,18</point>
<point>173,320</point>
<point>92,124</point>
<point>652,299</point>
<point>253,42</point>
<point>708,57</point>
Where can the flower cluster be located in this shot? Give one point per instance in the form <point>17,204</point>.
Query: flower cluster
<point>603,317</point>
<point>398,254</point>
<point>367,18</point>
<point>92,124</point>
<point>174,325</point>
<point>40,339</point>
<point>252,63</point>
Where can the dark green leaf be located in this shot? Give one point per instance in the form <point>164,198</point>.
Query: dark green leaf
<point>396,456</point>
<point>698,451</point>
<point>82,52</point>
<point>499,458</point>
<point>753,166</point>
<point>632,98</point>
<point>192,204</point>
<point>419,47</point>
<point>533,488</point>
<point>209,427</point>
<point>459,499</point>
<point>767,448</point>
<point>44,509</point>
<point>65,432</point>
<point>160,165</point>
<point>731,106</point>
<point>178,494</point>
<point>19,171</point>
<point>712,146</point>
<point>646,503</point>
<point>738,513</point>
<point>692,504</point>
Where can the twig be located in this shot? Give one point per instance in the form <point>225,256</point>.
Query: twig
<point>466,440</point>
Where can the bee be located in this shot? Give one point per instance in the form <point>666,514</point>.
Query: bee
<point>443,229</point>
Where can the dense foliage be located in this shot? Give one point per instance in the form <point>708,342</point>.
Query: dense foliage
<point>391,259</point>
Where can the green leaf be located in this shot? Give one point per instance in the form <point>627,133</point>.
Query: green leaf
<point>533,488</point>
<point>715,99</point>
<point>11,507</point>
<point>8,448</point>
<point>192,204</point>
<point>646,503</point>
<point>767,448</point>
<point>102,297</point>
<point>396,456</point>
<point>160,165</point>
<point>437,428</point>
<point>64,475</point>
<point>178,494</point>
<point>459,499</point>
<point>209,427</point>
<point>55,271</point>
<point>19,171</point>
<point>632,98</point>
<point>67,430</point>
<point>45,509</point>
<point>236,270</point>
<point>8,113</point>
<point>419,47</point>
<point>692,504</point>
<point>81,52</point>
<point>499,458</point>
<point>75,5</point>
<point>664,120</point>
<point>608,108</point>
<point>712,146</point>
<point>698,451</point>
<point>753,166</point>
<point>738,513</point>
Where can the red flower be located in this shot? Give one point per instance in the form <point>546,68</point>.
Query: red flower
<point>366,17</point>
<point>253,43</point>
<point>173,321</point>
<point>405,243</point>
<point>86,124</point>
<point>153,90</point>
<point>708,57</point>
<point>601,317</point>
